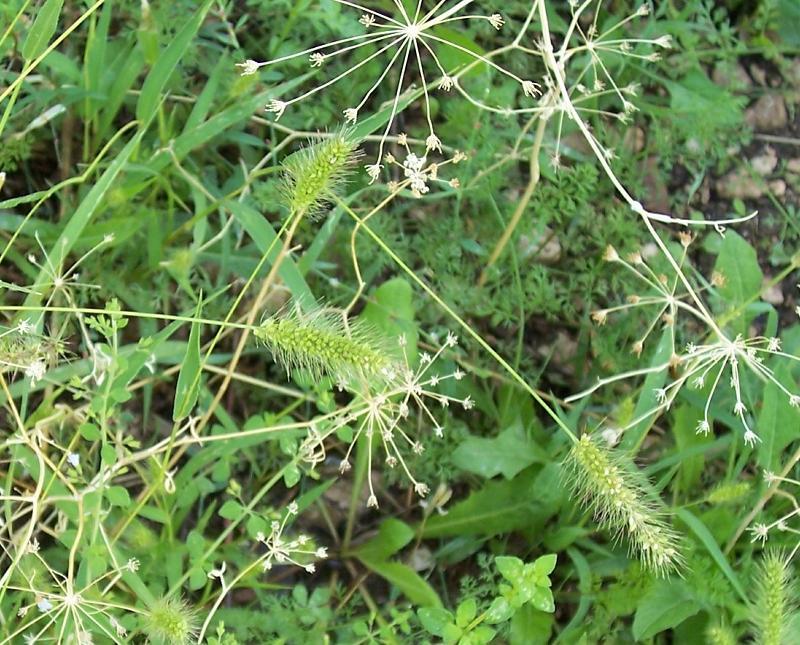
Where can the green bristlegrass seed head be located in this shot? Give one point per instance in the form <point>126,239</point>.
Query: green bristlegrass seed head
<point>313,175</point>
<point>620,500</point>
<point>720,635</point>
<point>774,600</point>
<point>728,493</point>
<point>171,622</point>
<point>321,343</point>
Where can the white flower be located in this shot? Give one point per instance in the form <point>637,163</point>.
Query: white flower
<point>760,531</point>
<point>433,143</point>
<point>74,459</point>
<point>751,438</point>
<point>277,107</point>
<point>374,171</point>
<point>72,599</point>
<point>530,88</point>
<point>316,59</point>
<point>25,327</point>
<point>119,629</point>
<point>611,436</point>
<point>496,20</point>
<point>248,67</point>
<point>703,427</point>
<point>446,83</point>
<point>35,371</point>
<point>414,171</point>
<point>367,20</point>
<point>218,573</point>
<point>44,605</point>
<point>350,115</point>
<point>664,41</point>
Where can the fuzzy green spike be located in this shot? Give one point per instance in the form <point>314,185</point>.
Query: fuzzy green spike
<point>774,600</point>
<point>620,500</point>
<point>313,175</point>
<point>726,493</point>
<point>171,621</point>
<point>320,343</point>
<point>720,635</point>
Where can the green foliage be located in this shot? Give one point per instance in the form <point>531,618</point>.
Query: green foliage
<point>529,587</point>
<point>173,454</point>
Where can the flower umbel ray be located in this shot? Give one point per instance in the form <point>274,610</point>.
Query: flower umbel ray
<point>408,40</point>
<point>380,414</point>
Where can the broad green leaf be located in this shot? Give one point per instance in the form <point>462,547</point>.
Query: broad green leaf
<point>667,604</point>
<point>499,611</point>
<point>542,599</point>
<point>544,565</point>
<point>408,581</point>
<point>647,399</point>
<point>702,532</point>
<point>686,437</point>
<point>496,508</point>
<point>508,453</point>
<point>188,387</point>
<point>81,217</point>
<point>510,567</point>
<point>531,627</point>
<point>778,424</point>
<point>231,510</point>
<point>262,233</point>
<point>392,536</point>
<point>118,496</point>
<point>466,612</point>
<point>738,263</point>
<point>391,309</point>
<point>165,65</point>
<point>42,30</point>
<point>434,619</point>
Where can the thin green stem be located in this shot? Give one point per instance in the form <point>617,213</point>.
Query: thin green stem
<point>462,323</point>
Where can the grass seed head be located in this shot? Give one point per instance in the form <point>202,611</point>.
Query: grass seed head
<point>774,599</point>
<point>319,342</point>
<point>313,175</point>
<point>171,622</point>
<point>618,497</point>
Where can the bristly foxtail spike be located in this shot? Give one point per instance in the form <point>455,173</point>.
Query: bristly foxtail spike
<point>313,176</point>
<point>618,497</point>
<point>319,341</point>
<point>774,600</point>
